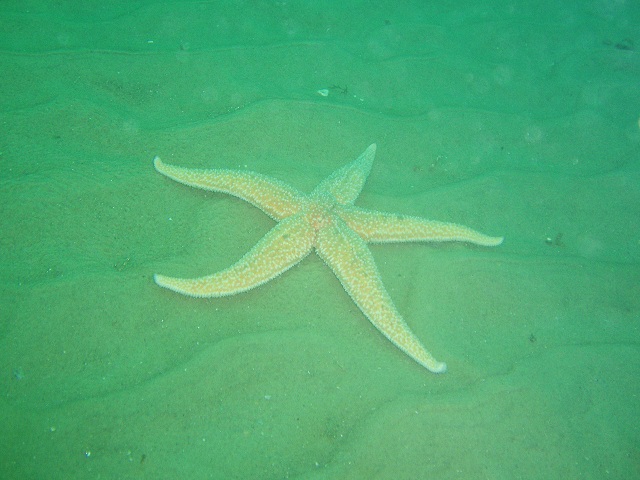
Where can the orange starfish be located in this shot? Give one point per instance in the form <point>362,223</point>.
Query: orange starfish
<point>325,220</point>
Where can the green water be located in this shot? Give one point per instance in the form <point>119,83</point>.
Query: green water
<point>516,118</point>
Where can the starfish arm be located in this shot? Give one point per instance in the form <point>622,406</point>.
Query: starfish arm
<point>345,184</point>
<point>350,259</point>
<point>280,249</point>
<point>380,227</point>
<point>273,197</point>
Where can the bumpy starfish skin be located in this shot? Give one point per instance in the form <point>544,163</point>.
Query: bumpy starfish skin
<point>325,220</point>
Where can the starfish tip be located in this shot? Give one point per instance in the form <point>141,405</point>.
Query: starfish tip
<point>370,152</point>
<point>440,367</point>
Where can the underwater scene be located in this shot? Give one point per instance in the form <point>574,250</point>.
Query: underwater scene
<point>319,240</point>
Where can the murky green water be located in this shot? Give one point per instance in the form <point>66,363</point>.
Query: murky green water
<point>517,120</point>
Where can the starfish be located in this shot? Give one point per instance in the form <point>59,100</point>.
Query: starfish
<point>325,220</point>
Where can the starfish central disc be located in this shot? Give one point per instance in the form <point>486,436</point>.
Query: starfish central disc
<point>319,212</point>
